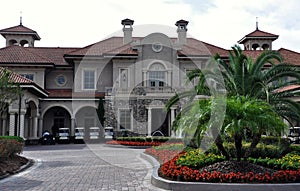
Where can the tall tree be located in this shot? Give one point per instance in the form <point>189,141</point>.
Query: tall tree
<point>101,111</point>
<point>9,89</point>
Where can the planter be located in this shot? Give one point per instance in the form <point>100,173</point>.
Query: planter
<point>204,186</point>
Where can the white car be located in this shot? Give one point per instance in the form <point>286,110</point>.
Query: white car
<point>108,132</point>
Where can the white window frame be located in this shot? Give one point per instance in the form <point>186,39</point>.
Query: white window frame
<point>83,78</point>
<point>119,118</point>
<point>120,77</point>
<point>27,74</point>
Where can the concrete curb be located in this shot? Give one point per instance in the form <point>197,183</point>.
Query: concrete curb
<point>29,164</point>
<point>204,186</point>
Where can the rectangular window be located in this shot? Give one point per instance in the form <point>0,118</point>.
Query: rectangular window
<point>125,119</point>
<point>28,76</point>
<point>123,78</point>
<point>157,78</point>
<point>89,79</point>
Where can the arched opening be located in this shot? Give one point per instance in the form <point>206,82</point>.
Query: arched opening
<point>255,46</point>
<point>31,120</point>
<point>12,42</point>
<point>55,118</point>
<point>266,47</point>
<point>87,118</point>
<point>24,43</point>
<point>4,120</point>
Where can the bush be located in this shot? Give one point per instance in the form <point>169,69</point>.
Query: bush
<point>19,139</point>
<point>261,150</point>
<point>288,162</point>
<point>10,147</point>
<point>196,159</point>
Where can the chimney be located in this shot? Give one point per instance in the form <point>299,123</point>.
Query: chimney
<point>127,29</point>
<point>181,31</point>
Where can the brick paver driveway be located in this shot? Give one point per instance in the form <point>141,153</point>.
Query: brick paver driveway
<point>82,167</point>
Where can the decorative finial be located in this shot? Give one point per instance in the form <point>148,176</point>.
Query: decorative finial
<point>20,17</point>
<point>256,23</point>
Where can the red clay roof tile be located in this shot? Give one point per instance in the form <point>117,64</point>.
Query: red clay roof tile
<point>20,29</point>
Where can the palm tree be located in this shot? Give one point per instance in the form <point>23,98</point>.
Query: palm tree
<point>260,80</point>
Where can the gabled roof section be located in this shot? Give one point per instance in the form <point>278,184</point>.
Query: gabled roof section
<point>20,29</point>
<point>54,55</point>
<point>115,46</point>
<point>25,83</point>
<point>258,34</point>
<point>22,55</point>
<point>290,56</point>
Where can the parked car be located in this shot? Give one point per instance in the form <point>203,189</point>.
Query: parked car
<point>294,135</point>
<point>47,139</point>
<point>63,135</point>
<point>79,135</point>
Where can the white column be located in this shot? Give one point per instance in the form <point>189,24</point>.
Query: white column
<point>169,77</point>
<point>3,126</point>
<point>172,120</point>
<point>40,132</point>
<point>72,126</point>
<point>35,127</point>
<point>149,121</point>
<point>22,124</point>
<point>11,124</point>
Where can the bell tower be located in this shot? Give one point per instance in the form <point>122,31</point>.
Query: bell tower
<point>20,35</point>
<point>258,40</point>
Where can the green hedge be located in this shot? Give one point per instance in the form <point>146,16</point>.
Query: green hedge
<point>19,139</point>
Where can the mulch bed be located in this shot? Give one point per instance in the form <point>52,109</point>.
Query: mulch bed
<point>11,165</point>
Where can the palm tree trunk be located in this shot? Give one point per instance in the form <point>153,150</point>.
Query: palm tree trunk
<point>220,146</point>
<point>238,146</point>
<point>255,140</point>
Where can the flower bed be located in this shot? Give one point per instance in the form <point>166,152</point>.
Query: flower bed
<point>131,143</point>
<point>180,165</point>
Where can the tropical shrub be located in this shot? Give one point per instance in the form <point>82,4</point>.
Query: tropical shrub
<point>197,159</point>
<point>287,162</point>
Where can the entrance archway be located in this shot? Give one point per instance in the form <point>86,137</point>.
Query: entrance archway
<point>55,118</point>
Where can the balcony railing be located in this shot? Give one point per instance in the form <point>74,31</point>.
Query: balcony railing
<point>110,91</point>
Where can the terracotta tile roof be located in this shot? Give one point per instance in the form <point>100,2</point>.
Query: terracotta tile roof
<point>25,83</point>
<point>55,55</point>
<point>114,45</point>
<point>290,56</point>
<point>68,93</point>
<point>20,29</point>
<point>291,87</point>
<point>21,55</point>
<point>258,34</point>
<point>15,78</point>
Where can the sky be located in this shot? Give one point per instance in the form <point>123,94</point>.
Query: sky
<point>78,23</point>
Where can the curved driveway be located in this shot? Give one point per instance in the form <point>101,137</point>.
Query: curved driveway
<point>77,167</point>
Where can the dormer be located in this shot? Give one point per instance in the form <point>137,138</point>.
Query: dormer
<point>19,35</point>
<point>258,40</point>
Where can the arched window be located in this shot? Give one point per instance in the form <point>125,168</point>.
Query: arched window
<point>13,42</point>
<point>24,43</point>
<point>265,47</point>
<point>157,75</point>
<point>255,46</point>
